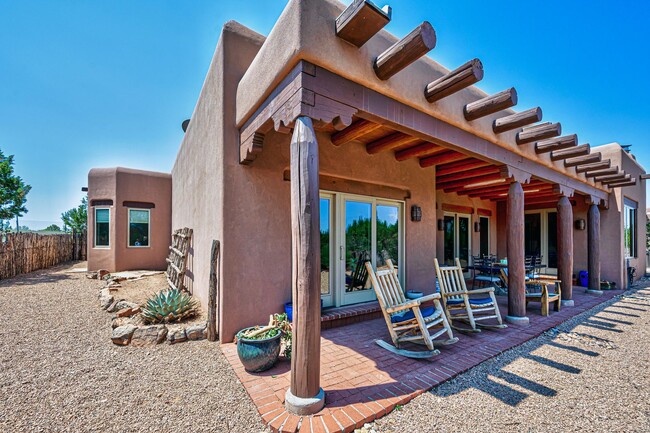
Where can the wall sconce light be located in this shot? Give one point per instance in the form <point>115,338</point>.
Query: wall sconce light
<point>416,213</point>
<point>477,226</point>
<point>441,225</point>
<point>580,224</point>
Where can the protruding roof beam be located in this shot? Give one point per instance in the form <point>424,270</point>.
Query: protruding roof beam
<point>422,149</point>
<point>405,51</point>
<point>390,142</point>
<point>558,155</point>
<point>538,132</point>
<point>361,21</point>
<point>450,83</point>
<point>558,143</point>
<point>357,129</point>
<point>606,163</point>
<point>442,158</point>
<point>517,120</point>
<point>455,167</point>
<point>580,160</point>
<point>630,182</point>
<point>490,104</point>
<point>612,178</point>
<point>601,172</point>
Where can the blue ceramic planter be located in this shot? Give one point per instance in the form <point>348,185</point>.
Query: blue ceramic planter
<point>258,355</point>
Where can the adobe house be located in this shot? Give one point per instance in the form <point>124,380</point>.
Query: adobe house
<point>331,141</point>
<point>129,219</point>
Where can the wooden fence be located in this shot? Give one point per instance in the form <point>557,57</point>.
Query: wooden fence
<point>26,252</point>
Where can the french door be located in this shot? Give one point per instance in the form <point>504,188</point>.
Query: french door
<point>540,237</point>
<point>457,238</point>
<point>355,229</point>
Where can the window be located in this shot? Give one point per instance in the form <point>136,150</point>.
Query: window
<point>629,228</point>
<point>484,236</point>
<point>138,227</point>
<point>102,225</point>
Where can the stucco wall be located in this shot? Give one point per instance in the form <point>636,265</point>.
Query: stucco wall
<point>127,185</point>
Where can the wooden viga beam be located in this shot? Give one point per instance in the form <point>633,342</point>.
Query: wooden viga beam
<point>405,51</point>
<point>460,184</point>
<point>557,143</point>
<point>583,168</point>
<point>459,166</point>
<point>466,174</point>
<point>442,158</point>
<point>558,155</point>
<point>612,178</point>
<point>534,192</point>
<point>517,120</point>
<point>419,150</point>
<point>580,160</point>
<point>538,132</point>
<point>625,178</point>
<point>361,21</point>
<point>390,142</point>
<point>622,184</point>
<point>490,104</point>
<point>480,191</point>
<point>450,83</point>
<point>358,129</point>
<point>602,172</point>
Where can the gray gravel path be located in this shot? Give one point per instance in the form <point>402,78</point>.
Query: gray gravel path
<point>590,374</point>
<point>59,371</point>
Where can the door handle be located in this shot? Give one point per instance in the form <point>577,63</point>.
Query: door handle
<point>341,253</point>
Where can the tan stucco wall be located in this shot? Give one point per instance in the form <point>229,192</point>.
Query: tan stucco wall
<point>120,185</point>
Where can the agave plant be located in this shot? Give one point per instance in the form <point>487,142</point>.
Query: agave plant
<point>169,305</point>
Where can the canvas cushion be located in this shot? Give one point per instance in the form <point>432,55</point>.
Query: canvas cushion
<point>472,301</point>
<point>403,316</point>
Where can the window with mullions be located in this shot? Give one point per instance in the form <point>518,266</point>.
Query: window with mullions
<point>629,227</point>
<point>138,227</point>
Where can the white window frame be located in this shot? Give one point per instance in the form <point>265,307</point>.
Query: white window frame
<point>95,228</point>
<point>128,227</point>
<point>630,205</point>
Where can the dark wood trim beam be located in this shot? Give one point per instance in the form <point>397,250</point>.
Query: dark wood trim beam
<point>450,83</point>
<point>484,212</point>
<point>583,168</point>
<point>455,167</point>
<point>558,155</point>
<point>538,132</point>
<point>644,177</point>
<point>579,160</point>
<point>467,174</point>
<point>361,21</point>
<point>390,142</point>
<point>419,150</point>
<point>517,120</point>
<point>442,158</point>
<point>449,186</point>
<point>478,191</point>
<point>358,129</point>
<point>602,172</point>
<point>405,51</point>
<point>490,104</point>
<point>447,207</point>
<point>614,178</point>
<point>558,143</point>
<point>630,182</point>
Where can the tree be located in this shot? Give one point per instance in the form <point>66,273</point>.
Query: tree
<point>52,228</point>
<point>13,191</point>
<point>76,219</point>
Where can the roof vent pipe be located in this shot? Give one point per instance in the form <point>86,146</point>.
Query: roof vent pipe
<point>185,124</point>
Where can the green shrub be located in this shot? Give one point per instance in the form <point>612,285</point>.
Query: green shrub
<point>169,305</point>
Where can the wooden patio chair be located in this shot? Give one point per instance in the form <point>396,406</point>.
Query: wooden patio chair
<point>459,305</point>
<point>407,320</point>
<point>537,291</point>
<point>359,277</point>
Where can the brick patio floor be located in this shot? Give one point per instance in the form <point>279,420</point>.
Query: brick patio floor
<point>363,382</point>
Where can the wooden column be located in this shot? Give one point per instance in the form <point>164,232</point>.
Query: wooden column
<point>565,249</point>
<point>516,257</point>
<point>305,395</point>
<point>593,248</point>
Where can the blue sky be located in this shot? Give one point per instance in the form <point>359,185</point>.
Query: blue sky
<point>96,84</point>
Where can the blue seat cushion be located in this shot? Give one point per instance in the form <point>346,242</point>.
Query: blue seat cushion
<point>405,315</point>
<point>475,301</point>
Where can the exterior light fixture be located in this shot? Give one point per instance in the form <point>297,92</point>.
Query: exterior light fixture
<point>580,224</point>
<point>416,213</point>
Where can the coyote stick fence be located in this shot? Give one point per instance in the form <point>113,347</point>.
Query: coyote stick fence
<point>26,252</point>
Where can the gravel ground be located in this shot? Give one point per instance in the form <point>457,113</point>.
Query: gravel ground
<point>590,374</point>
<point>59,371</point>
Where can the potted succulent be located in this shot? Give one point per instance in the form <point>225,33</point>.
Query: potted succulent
<point>258,347</point>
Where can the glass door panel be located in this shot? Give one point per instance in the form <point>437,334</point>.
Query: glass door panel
<point>551,236</point>
<point>326,250</point>
<point>463,240</point>
<point>533,234</point>
<point>388,234</point>
<point>484,236</point>
<point>357,249</point>
<point>449,239</point>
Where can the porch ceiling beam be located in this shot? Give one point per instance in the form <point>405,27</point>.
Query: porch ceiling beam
<point>361,21</point>
<point>558,155</point>
<point>405,51</point>
<point>466,174</point>
<point>454,81</point>
<point>602,172</point>
<point>622,184</point>
<point>558,143</point>
<point>490,104</point>
<point>538,132</point>
<point>421,149</point>
<point>479,190</point>
<point>579,160</point>
<point>583,168</point>
<point>500,193</point>
<point>442,158</point>
<point>621,177</point>
<point>460,184</point>
<point>390,142</point>
<point>455,167</point>
<point>517,120</point>
<point>358,129</point>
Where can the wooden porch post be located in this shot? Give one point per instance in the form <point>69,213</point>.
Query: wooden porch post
<point>565,249</point>
<point>305,395</point>
<point>593,248</point>
<point>516,256</point>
